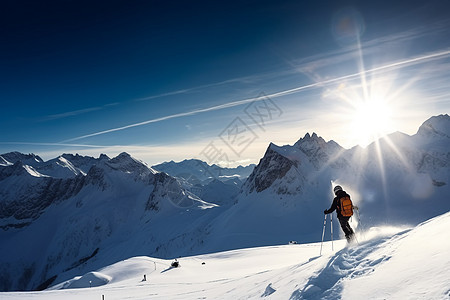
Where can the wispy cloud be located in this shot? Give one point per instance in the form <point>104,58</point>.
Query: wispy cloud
<point>310,66</point>
<point>242,80</point>
<point>54,144</point>
<point>387,67</point>
<point>306,65</point>
<point>77,112</point>
<point>179,115</point>
<point>71,113</point>
<point>245,79</point>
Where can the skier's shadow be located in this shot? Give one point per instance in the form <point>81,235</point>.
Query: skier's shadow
<point>174,265</point>
<point>168,269</point>
<point>313,258</point>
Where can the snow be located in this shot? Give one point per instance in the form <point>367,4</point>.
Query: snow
<point>420,261</point>
<point>435,126</point>
<point>196,171</point>
<point>91,279</point>
<point>121,208</point>
<point>409,264</point>
<point>33,172</point>
<point>4,162</point>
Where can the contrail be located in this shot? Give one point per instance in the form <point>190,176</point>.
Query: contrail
<point>187,90</point>
<point>190,113</point>
<point>56,144</point>
<point>395,65</point>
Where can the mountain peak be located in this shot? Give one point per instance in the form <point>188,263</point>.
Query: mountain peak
<point>13,157</point>
<point>121,158</point>
<point>125,162</point>
<point>308,139</point>
<point>436,126</point>
<point>123,155</point>
<point>314,142</point>
<point>103,157</point>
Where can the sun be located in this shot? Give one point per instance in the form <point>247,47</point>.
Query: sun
<point>371,120</point>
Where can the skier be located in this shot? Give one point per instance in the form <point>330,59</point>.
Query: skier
<point>343,214</point>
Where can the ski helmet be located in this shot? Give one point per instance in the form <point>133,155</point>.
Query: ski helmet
<point>337,189</point>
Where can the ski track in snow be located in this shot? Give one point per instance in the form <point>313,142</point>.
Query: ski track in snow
<point>281,272</point>
<point>348,263</point>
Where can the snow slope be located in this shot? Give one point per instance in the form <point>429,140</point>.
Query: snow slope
<point>55,228</point>
<point>410,264</point>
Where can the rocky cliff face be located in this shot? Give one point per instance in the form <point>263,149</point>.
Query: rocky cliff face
<point>293,164</point>
<point>27,204</point>
<point>271,167</point>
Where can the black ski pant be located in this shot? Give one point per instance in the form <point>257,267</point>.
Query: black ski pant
<point>348,231</point>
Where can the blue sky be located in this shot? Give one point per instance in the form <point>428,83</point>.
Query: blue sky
<point>173,80</point>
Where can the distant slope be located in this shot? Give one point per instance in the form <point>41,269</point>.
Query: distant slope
<point>412,264</point>
<point>197,171</point>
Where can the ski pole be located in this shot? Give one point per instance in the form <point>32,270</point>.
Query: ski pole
<point>359,217</point>
<point>354,235</point>
<point>323,233</point>
<point>331,219</point>
<point>359,221</point>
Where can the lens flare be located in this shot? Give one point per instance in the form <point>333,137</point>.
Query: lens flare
<point>371,120</point>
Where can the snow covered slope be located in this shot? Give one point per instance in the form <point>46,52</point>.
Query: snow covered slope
<point>54,227</point>
<point>410,264</point>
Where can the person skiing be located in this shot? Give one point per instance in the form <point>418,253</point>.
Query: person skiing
<point>343,215</point>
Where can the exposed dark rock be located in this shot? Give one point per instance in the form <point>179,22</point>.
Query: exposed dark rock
<point>270,168</point>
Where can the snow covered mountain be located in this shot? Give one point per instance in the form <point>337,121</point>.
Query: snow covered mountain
<point>397,180</point>
<point>64,166</point>
<point>52,225</point>
<point>72,215</point>
<point>199,172</point>
<point>387,263</point>
<point>211,183</point>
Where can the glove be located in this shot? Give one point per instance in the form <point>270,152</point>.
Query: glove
<point>325,211</point>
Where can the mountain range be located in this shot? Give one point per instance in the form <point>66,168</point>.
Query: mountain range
<point>196,171</point>
<point>74,214</point>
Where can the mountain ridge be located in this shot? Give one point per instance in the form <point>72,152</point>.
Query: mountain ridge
<point>81,221</point>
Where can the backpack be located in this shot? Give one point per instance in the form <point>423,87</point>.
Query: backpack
<point>346,206</point>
